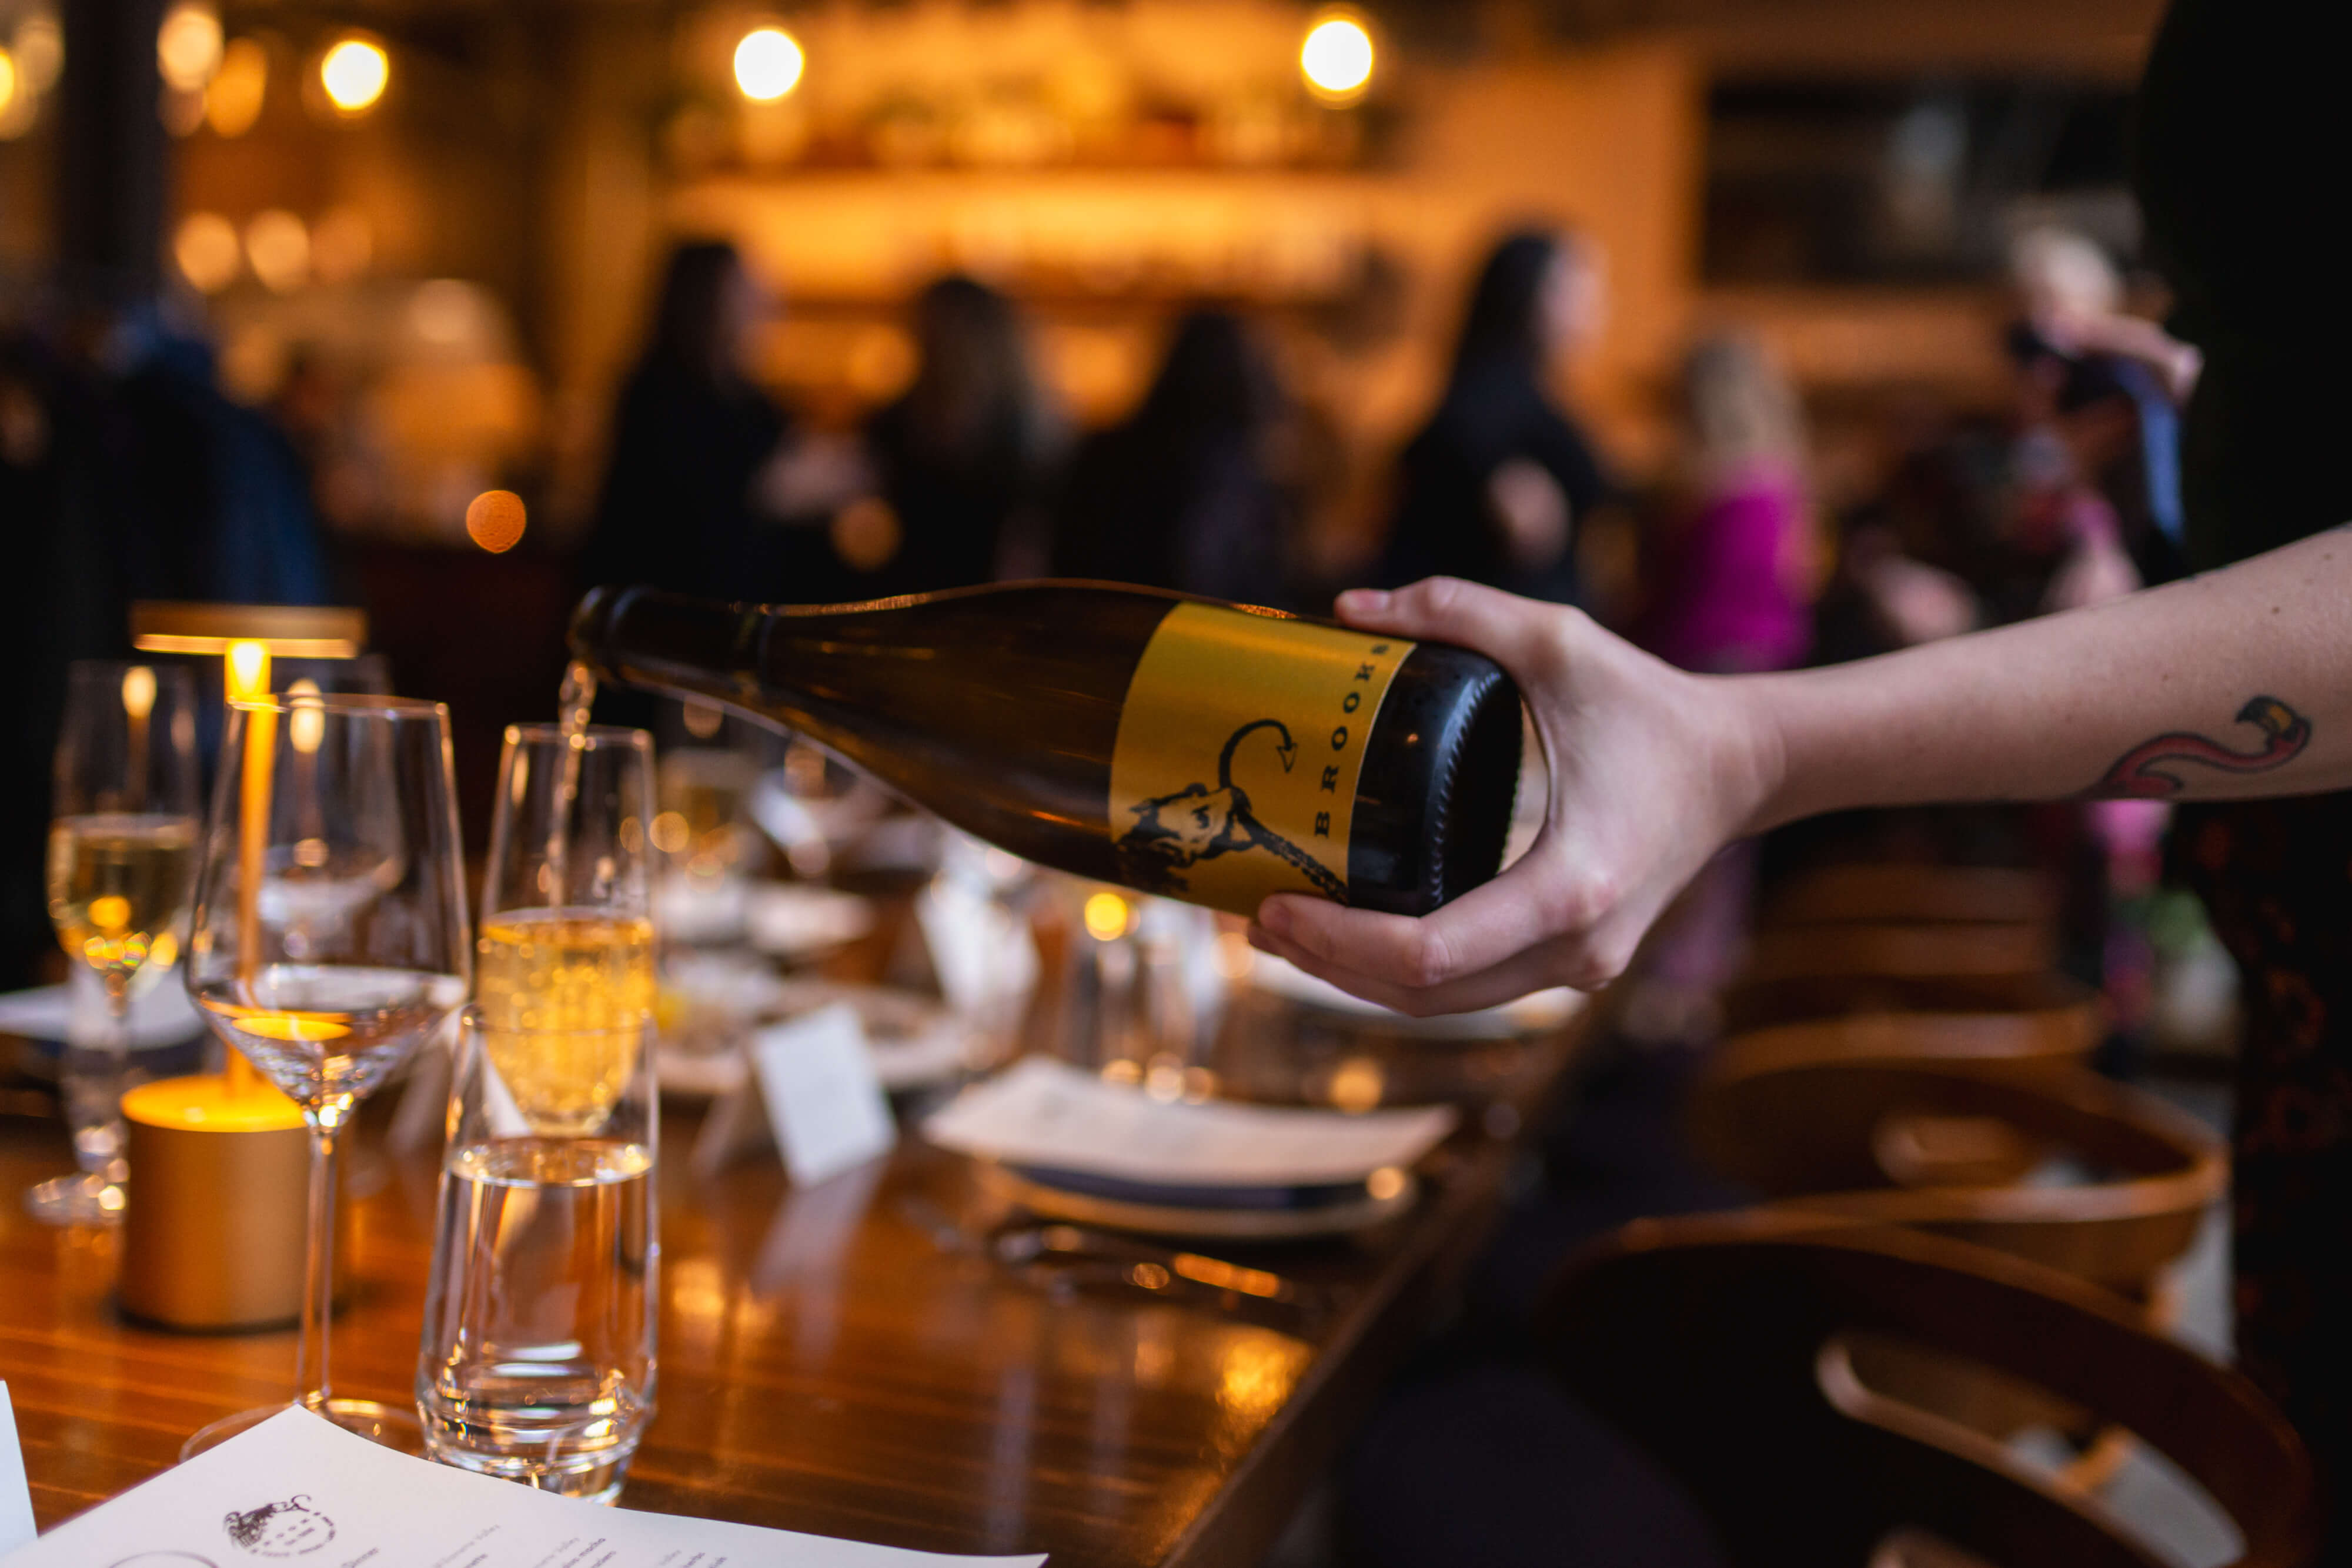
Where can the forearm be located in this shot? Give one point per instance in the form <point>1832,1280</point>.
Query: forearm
<point>2155,694</point>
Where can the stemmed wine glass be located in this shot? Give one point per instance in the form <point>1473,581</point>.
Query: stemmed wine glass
<point>329,941</point>
<point>123,848</point>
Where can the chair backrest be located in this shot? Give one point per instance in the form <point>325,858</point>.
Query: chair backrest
<point>1720,1344</point>
<point>1911,950</point>
<point>1840,1137</point>
<point>2012,1044</point>
<point>1903,890</point>
<point>1762,1001</point>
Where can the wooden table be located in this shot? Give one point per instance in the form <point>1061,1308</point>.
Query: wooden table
<point>826,1363</point>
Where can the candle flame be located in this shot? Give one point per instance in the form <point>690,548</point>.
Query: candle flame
<point>138,692</point>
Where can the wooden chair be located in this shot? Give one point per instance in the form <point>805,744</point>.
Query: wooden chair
<point>2033,1044</point>
<point>1927,950</point>
<point>1861,1140</point>
<point>2052,1002</point>
<point>1943,1147</point>
<point>1906,893</point>
<point>1725,1346</point>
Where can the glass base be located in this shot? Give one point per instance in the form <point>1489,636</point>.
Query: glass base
<point>83,1200</point>
<point>388,1425</point>
<point>588,1478</point>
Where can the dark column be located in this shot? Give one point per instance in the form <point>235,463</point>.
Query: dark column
<point>112,154</point>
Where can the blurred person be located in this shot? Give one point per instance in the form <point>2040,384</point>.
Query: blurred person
<point>960,459</point>
<point>1734,579</point>
<point>1187,494</point>
<point>1731,593</point>
<point>1493,488</point>
<point>686,502</point>
<point>2121,379</point>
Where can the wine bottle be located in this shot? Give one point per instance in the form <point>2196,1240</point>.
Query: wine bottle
<point>1199,750</point>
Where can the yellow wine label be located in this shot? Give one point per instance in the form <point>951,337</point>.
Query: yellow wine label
<point>1239,749</point>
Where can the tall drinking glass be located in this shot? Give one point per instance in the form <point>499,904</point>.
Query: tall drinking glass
<point>121,865</point>
<point>536,1362</point>
<point>329,940</point>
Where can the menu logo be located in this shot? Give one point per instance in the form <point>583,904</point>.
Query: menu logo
<point>289,1529</point>
<point>1201,822</point>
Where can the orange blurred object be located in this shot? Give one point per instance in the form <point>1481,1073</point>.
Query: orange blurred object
<point>495,520</point>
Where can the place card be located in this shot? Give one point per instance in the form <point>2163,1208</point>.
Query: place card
<point>1039,1111</point>
<point>826,1106</point>
<point>16,1495</point>
<point>298,1487</point>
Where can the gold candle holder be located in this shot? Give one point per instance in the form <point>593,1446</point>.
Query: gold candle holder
<point>213,1231</point>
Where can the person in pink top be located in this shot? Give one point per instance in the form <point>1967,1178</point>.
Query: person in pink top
<point>1731,594</point>
<point>1734,589</point>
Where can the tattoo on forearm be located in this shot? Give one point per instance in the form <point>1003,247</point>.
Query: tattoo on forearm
<point>2149,770</point>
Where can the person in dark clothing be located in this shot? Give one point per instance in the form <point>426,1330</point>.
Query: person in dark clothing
<point>960,458</point>
<point>1182,494</point>
<point>691,438</point>
<point>2238,130</point>
<point>1495,485</point>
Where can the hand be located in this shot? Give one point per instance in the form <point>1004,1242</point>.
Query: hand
<point>1649,771</point>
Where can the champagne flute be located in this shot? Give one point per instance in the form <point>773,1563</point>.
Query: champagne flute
<point>566,952</point>
<point>120,865</point>
<point>330,941</point>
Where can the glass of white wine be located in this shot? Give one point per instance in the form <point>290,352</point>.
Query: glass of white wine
<point>329,941</point>
<point>565,955</point>
<point>121,865</point>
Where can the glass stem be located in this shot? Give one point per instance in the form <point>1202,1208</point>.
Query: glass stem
<point>319,1279</point>
<point>104,1155</point>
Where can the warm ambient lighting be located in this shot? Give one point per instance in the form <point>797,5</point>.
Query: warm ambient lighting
<point>354,74</point>
<point>233,98</point>
<point>1106,915</point>
<point>767,64</point>
<point>138,692</point>
<point>278,247</point>
<point>206,247</point>
<point>7,80</point>
<point>494,520</point>
<point>188,46</point>
<point>1337,58</point>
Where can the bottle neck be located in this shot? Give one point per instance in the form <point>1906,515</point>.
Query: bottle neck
<point>663,642</point>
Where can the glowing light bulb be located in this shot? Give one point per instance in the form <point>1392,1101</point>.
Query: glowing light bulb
<point>1337,58</point>
<point>355,72</point>
<point>767,64</point>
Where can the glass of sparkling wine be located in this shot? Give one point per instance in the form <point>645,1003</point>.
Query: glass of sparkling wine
<point>330,941</point>
<point>536,1362</point>
<point>121,866</point>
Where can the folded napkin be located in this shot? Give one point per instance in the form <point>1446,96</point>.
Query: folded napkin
<point>1044,1112</point>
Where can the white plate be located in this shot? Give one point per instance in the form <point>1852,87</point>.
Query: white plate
<point>790,921</point>
<point>1181,1222</point>
<point>1529,1015</point>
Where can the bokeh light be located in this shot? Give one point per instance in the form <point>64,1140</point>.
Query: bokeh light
<point>1337,58</point>
<point>7,80</point>
<point>233,98</point>
<point>767,64</point>
<point>278,249</point>
<point>206,249</point>
<point>342,243</point>
<point>1106,915</point>
<point>40,52</point>
<point>494,520</point>
<point>188,46</point>
<point>355,72</point>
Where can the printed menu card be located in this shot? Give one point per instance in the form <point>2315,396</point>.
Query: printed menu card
<point>299,1490</point>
